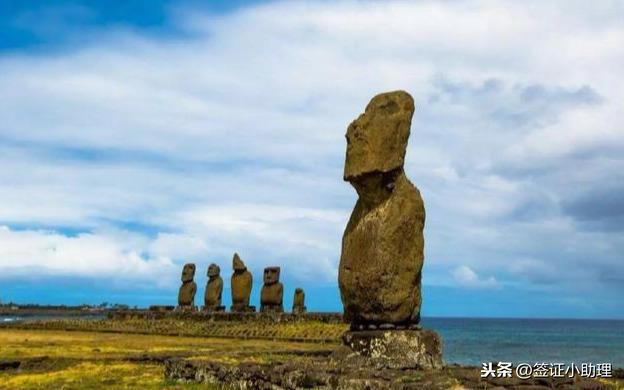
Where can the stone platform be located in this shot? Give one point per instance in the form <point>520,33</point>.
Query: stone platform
<point>371,359</point>
<point>224,316</point>
<point>396,349</point>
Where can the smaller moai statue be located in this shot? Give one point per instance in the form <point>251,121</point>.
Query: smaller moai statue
<point>299,302</point>
<point>186,295</point>
<point>214,289</point>
<point>241,284</point>
<point>272,294</point>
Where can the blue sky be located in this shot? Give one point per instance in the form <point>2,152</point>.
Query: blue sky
<point>137,136</point>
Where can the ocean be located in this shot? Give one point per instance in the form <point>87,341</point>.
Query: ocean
<point>473,341</point>
<point>477,340</point>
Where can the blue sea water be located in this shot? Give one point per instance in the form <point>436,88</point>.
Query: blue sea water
<point>477,340</point>
<point>8,318</point>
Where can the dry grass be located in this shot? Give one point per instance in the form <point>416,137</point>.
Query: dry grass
<point>91,375</point>
<point>313,331</point>
<point>92,360</point>
<point>616,384</point>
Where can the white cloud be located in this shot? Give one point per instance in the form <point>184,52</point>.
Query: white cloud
<point>232,138</point>
<point>100,255</point>
<point>466,277</point>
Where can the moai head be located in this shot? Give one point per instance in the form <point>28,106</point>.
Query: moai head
<point>377,139</point>
<point>237,264</point>
<point>188,272</point>
<point>299,297</point>
<point>213,270</point>
<point>299,301</point>
<point>271,275</point>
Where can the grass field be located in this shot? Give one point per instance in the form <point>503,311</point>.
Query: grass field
<point>90,360</point>
<point>58,359</point>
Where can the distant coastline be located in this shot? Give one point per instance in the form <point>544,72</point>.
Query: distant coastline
<point>35,309</point>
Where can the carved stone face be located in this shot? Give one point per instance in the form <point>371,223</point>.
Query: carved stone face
<point>377,139</point>
<point>298,290</point>
<point>213,270</point>
<point>271,275</point>
<point>188,272</point>
<point>238,264</point>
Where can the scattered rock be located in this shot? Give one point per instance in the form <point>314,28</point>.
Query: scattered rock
<point>323,373</point>
<point>9,364</point>
<point>157,308</point>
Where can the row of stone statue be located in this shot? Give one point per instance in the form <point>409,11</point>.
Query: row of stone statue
<point>383,243</point>
<point>271,297</point>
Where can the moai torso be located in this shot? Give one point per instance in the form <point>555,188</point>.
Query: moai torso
<point>299,302</point>
<point>186,294</point>
<point>272,294</point>
<point>214,289</point>
<point>382,247</point>
<point>241,285</point>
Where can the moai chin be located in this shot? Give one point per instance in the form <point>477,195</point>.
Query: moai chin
<point>214,290</point>
<point>241,286</point>
<point>299,302</point>
<point>186,295</point>
<point>382,246</point>
<point>272,294</point>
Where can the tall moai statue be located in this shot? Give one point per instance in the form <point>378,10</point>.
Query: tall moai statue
<point>214,290</point>
<point>241,284</point>
<point>299,302</point>
<point>186,295</point>
<point>382,247</point>
<point>272,294</point>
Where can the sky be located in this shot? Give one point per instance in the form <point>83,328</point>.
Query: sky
<point>136,136</point>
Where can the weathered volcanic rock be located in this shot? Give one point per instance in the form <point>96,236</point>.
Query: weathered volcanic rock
<point>299,302</point>
<point>186,295</point>
<point>214,289</point>
<point>382,247</point>
<point>272,294</point>
<point>241,284</point>
<point>396,349</point>
<point>323,373</point>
